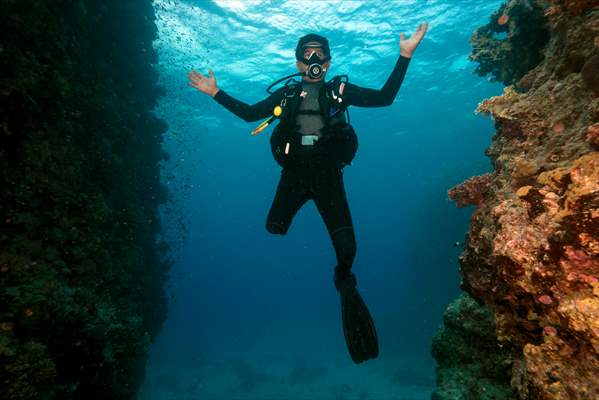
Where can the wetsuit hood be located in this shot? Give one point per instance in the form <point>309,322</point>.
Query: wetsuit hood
<point>302,45</point>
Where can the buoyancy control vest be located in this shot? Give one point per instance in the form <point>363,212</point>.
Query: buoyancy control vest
<point>338,140</point>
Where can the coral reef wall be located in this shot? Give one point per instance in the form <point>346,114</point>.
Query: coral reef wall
<point>532,252</point>
<point>82,264</point>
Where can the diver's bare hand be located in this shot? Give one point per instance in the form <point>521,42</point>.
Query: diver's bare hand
<point>203,84</point>
<point>407,46</point>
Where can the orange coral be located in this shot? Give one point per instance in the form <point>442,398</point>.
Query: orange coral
<point>533,247</point>
<point>593,134</point>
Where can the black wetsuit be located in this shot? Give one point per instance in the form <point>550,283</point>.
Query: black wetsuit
<point>314,176</point>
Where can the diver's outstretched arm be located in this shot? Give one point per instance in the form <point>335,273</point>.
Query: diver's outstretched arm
<point>366,97</point>
<point>355,95</point>
<point>247,112</point>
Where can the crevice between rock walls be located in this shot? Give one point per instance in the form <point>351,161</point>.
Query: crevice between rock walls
<point>531,256</point>
<point>81,263</point>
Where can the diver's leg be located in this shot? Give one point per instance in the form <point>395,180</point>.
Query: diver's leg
<point>358,327</point>
<point>331,201</point>
<point>289,198</point>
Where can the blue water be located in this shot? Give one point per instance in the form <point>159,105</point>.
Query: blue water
<point>256,316</point>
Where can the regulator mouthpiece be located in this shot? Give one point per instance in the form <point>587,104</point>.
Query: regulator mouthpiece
<point>315,71</point>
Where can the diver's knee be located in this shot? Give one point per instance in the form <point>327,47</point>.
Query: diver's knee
<point>275,228</point>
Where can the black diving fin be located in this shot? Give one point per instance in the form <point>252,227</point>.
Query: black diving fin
<point>358,326</point>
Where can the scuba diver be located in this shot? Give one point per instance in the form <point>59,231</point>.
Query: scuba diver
<point>313,142</point>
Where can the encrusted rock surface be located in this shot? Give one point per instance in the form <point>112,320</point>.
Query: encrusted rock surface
<point>472,192</point>
<point>532,253</point>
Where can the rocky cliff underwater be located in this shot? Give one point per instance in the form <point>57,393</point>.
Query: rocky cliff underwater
<point>81,265</point>
<point>527,326</point>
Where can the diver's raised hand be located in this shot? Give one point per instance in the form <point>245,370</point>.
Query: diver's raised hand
<point>407,46</point>
<point>203,84</point>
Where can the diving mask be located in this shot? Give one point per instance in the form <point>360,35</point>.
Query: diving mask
<point>315,61</point>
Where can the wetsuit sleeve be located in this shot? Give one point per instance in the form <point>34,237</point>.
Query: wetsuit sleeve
<point>355,95</point>
<point>249,113</point>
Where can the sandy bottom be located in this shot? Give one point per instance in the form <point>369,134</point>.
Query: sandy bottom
<point>288,377</point>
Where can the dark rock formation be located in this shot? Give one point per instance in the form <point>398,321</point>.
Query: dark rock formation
<point>526,33</point>
<point>81,272</point>
<point>532,253</point>
<point>472,365</point>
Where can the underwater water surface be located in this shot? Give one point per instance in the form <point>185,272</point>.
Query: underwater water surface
<point>256,316</point>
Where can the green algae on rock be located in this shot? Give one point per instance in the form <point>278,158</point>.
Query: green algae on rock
<point>508,59</point>
<point>471,363</point>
